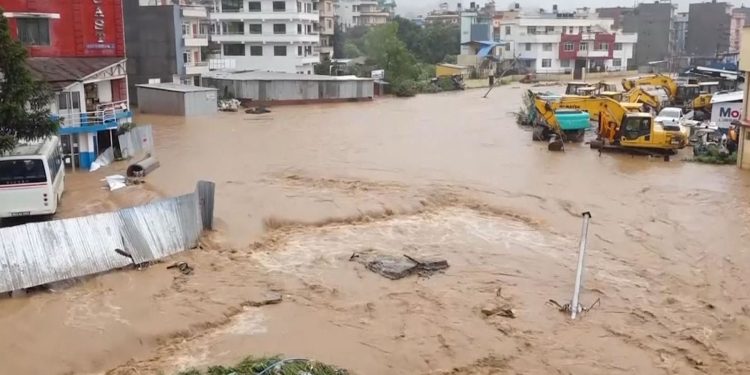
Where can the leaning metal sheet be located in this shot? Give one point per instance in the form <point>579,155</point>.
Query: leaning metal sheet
<point>161,228</point>
<point>40,253</point>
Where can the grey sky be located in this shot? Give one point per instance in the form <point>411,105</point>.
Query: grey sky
<point>415,7</point>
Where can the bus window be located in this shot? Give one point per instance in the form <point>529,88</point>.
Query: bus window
<point>54,162</point>
<point>22,171</point>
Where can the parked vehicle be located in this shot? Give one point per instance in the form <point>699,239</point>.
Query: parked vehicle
<point>32,179</point>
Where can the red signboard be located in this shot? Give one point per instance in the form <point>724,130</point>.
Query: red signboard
<point>77,28</point>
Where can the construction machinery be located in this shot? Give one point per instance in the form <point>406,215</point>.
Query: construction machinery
<point>679,94</point>
<point>566,118</point>
<point>654,97</point>
<point>589,89</point>
<point>634,132</point>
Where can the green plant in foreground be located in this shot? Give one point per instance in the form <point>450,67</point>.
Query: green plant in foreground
<point>254,366</point>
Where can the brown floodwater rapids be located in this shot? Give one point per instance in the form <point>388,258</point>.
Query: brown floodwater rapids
<point>301,189</point>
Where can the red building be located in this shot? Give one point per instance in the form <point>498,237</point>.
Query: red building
<point>68,28</point>
<point>78,47</point>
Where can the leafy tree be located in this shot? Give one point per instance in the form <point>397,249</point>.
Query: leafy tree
<point>23,101</point>
<point>431,44</point>
<point>351,50</point>
<point>338,41</point>
<point>383,47</point>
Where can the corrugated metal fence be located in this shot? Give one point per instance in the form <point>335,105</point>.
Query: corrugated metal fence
<point>41,253</point>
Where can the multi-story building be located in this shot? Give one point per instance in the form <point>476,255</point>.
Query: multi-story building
<point>352,13</point>
<point>563,42</point>
<point>739,19</point>
<point>654,24</point>
<point>680,33</point>
<point>78,48</point>
<point>440,17</point>
<point>165,41</point>
<point>327,29</point>
<point>270,35</point>
<point>708,29</point>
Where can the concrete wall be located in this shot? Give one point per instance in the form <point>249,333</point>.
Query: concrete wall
<point>708,29</point>
<point>301,91</point>
<point>153,36</point>
<point>653,23</point>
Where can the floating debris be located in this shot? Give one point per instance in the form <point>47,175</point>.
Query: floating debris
<point>394,268</point>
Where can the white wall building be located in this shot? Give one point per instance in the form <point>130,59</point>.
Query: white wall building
<point>327,27</point>
<point>279,36</point>
<point>560,43</point>
<point>360,13</point>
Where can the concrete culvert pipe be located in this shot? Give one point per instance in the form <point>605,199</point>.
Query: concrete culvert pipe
<point>143,167</point>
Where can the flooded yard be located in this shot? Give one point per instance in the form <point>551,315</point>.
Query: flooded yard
<point>301,189</point>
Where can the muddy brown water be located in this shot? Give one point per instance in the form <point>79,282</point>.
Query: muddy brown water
<point>302,188</point>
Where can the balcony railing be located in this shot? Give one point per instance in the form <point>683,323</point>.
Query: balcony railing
<point>105,116</point>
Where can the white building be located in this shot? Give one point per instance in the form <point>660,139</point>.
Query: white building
<point>361,13</point>
<point>327,23</point>
<point>562,42</point>
<point>279,36</point>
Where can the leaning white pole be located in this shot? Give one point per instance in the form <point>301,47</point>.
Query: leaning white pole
<point>575,306</point>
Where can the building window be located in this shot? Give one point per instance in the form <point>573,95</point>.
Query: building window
<point>256,50</point>
<point>565,63</point>
<point>528,46</point>
<point>253,6</point>
<point>549,29</point>
<point>255,28</point>
<point>33,31</point>
<point>279,6</point>
<point>299,51</point>
<point>231,5</point>
<point>531,30</point>
<point>69,100</point>
<point>507,46</point>
<point>233,28</point>
<point>299,7</point>
<point>546,63</point>
<point>547,47</point>
<point>279,50</point>
<point>279,28</point>
<point>602,47</point>
<point>299,29</point>
<point>617,62</point>
<point>583,46</point>
<point>234,49</point>
<point>618,46</point>
<point>507,30</point>
<point>309,29</point>
<point>329,24</point>
<point>568,47</point>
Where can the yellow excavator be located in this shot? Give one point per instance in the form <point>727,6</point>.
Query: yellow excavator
<point>652,96</point>
<point>566,118</point>
<point>635,132</point>
<point>679,94</point>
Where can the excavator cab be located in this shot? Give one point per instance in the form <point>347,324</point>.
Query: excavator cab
<point>574,88</point>
<point>686,94</point>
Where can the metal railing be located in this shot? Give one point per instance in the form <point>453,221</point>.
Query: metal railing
<point>105,113</point>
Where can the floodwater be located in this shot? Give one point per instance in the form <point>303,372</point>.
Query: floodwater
<point>449,175</point>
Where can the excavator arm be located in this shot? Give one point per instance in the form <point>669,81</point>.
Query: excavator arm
<point>669,84</point>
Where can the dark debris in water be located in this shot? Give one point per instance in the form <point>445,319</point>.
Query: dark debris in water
<point>394,267</point>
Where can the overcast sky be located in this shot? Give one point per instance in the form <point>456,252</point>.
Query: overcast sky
<point>415,7</point>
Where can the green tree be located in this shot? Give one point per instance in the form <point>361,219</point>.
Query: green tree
<point>351,50</point>
<point>383,47</point>
<point>23,101</point>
